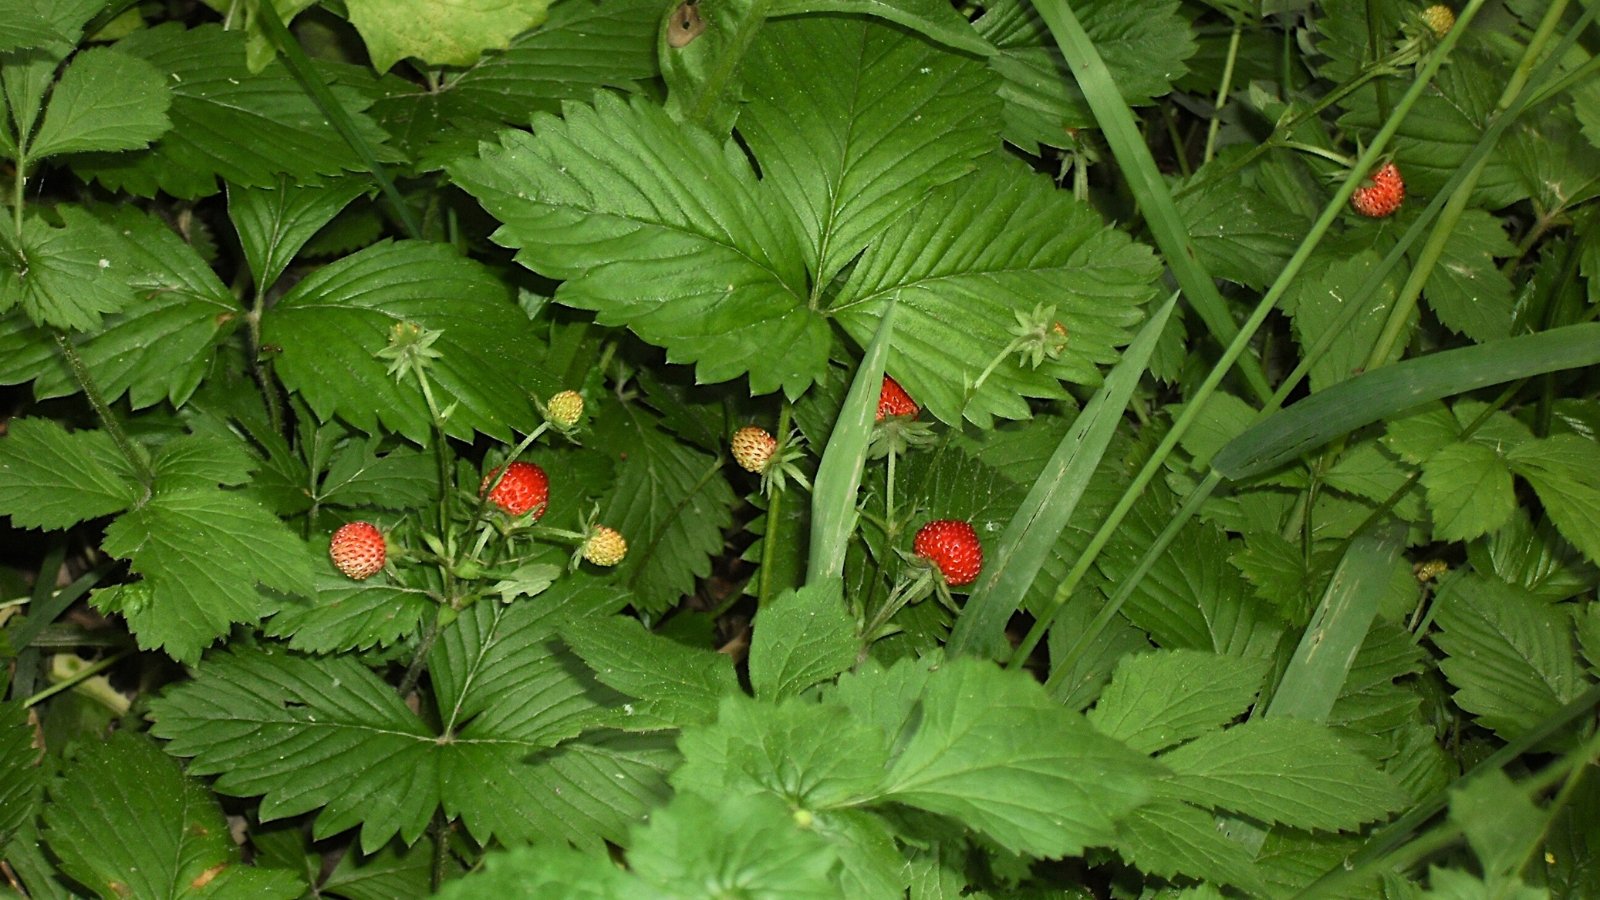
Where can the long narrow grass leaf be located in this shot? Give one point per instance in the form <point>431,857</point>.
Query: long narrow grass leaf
<point>833,501</point>
<point>1392,389</point>
<point>1034,529</point>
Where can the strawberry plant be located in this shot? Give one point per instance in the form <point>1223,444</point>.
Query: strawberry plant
<point>777,449</point>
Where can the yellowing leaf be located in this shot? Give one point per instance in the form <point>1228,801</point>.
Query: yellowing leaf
<point>441,32</point>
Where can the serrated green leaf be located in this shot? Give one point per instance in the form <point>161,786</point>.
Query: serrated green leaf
<point>332,323</point>
<point>125,822</point>
<point>544,870</point>
<point>802,638</point>
<point>1319,302</point>
<point>1510,657</point>
<point>384,875</point>
<point>980,251</point>
<point>1499,820</point>
<point>62,277</point>
<point>50,478</point>
<point>815,756</point>
<point>360,476</point>
<point>20,775</point>
<point>1282,770</point>
<point>104,100</point>
<point>764,851</point>
<point>196,461</point>
<point>343,615</point>
<point>931,19</point>
<point>1466,289</point>
<point>440,32</point>
<point>1165,838</point>
<point>216,99</point>
<point>989,748</point>
<point>1565,471</point>
<point>1535,557</point>
<point>201,554</point>
<point>660,227</point>
<point>671,504</point>
<point>844,167</point>
<point>27,23</point>
<point>1469,491</point>
<point>1144,45</point>
<point>1157,700</point>
<point>1241,232</point>
<point>671,683</point>
<point>274,223</point>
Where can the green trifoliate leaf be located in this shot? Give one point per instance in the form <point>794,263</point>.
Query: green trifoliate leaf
<point>1510,657</point>
<point>201,553</point>
<point>274,223</point>
<point>50,478</point>
<point>331,326</point>
<point>1282,771</point>
<point>660,227</point>
<point>440,32</point>
<point>670,504</point>
<point>347,615</point>
<point>104,100</point>
<point>1565,471</point>
<point>672,684</point>
<point>831,146</point>
<point>1466,289</point>
<point>19,770</point>
<point>802,637</point>
<point>997,242</point>
<point>245,127</point>
<point>1156,700</point>
<point>990,749</point>
<point>763,851</point>
<point>126,822</point>
<point>1469,491</point>
<point>63,277</point>
<point>502,758</point>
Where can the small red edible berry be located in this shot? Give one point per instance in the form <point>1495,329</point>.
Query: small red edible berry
<point>358,550</point>
<point>894,401</point>
<point>953,546</point>
<point>524,488</point>
<point>1383,195</point>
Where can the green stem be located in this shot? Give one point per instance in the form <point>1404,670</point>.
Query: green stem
<point>125,445</point>
<point>769,541</point>
<point>1222,92</point>
<point>19,184</point>
<point>77,678</point>
<point>414,670</point>
<point>260,369</point>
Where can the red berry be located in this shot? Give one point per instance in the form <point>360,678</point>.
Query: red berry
<point>752,447</point>
<point>1383,196</point>
<point>524,488</point>
<point>953,546</point>
<point>894,401</point>
<point>357,550</point>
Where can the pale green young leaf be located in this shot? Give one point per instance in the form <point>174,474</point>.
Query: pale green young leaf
<point>996,244</point>
<point>1049,787</point>
<point>1282,770</point>
<point>1166,838</point>
<point>347,615</point>
<point>660,227</point>
<point>844,166</point>
<point>1565,471</point>
<point>201,553</point>
<point>802,637</point>
<point>20,775</point>
<point>440,32</point>
<point>673,685</point>
<point>757,848</point>
<point>545,870</point>
<point>216,99</point>
<point>872,863</point>
<point>103,100</point>
<point>1466,289</point>
<point>1157,700</point>
<point>63,277</point>
<point>1509,656</point>
<point>275,222</point>
<point>1469,491</point>
<point>815,756</point>
<point>52,478</point>
<point>331,325</point>
<point>1144,45</point>
<point>669,502</point>
<point>1499,820</point>
<point>126,822</point>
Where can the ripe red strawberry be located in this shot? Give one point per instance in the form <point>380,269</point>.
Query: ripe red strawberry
<point>524,488</point>
<point>752,447</point>
<point>604,546</point>
<point>357,550</point>
<point>1383,196</point>
<point>953,546</point>
<point>894,401</point>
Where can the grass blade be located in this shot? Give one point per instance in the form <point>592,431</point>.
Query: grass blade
<point>1031,534</point>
